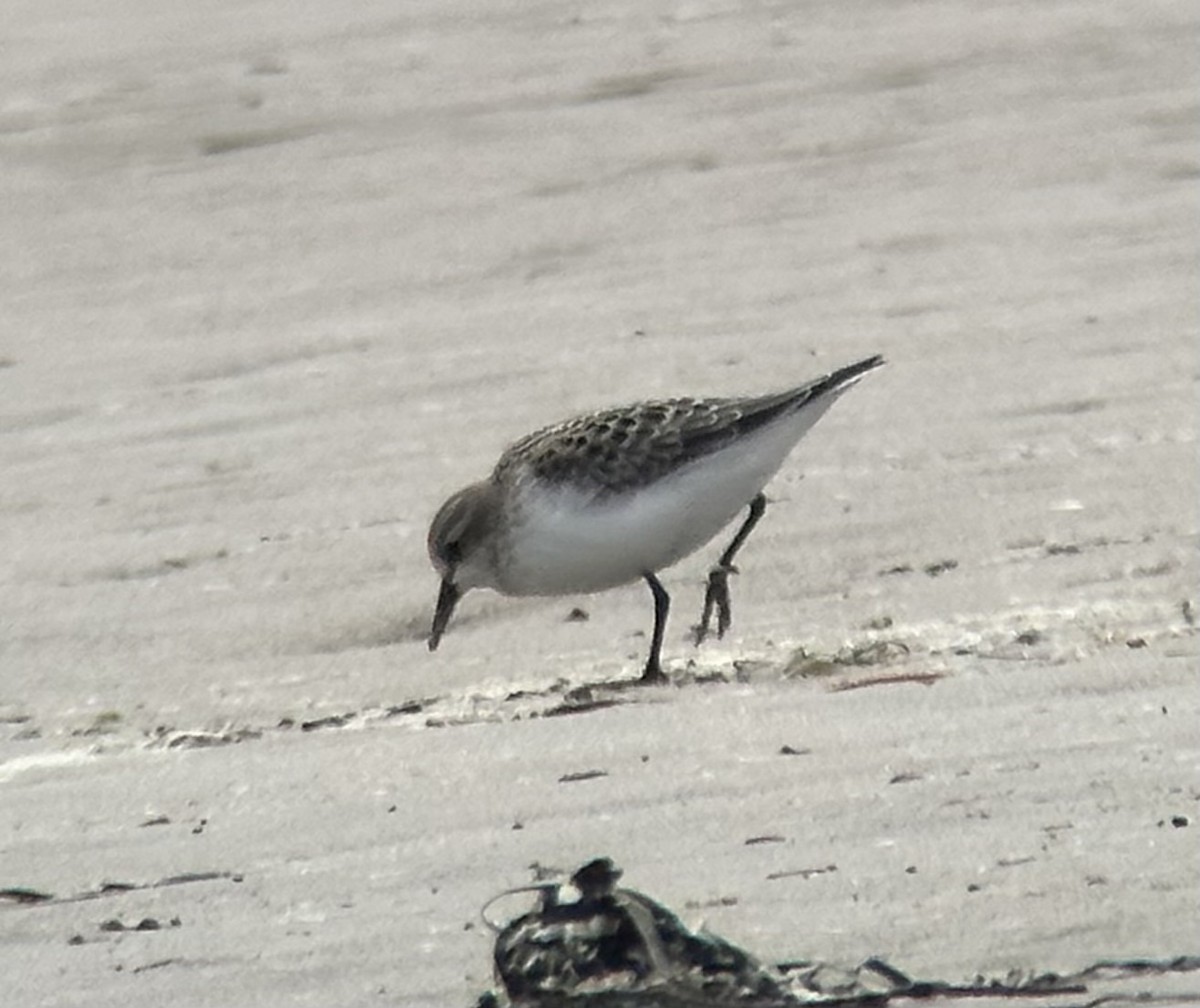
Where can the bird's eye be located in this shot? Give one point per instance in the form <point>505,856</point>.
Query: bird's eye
<point>452,551</point>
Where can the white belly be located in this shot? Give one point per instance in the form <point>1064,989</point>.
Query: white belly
<point>567,542</point>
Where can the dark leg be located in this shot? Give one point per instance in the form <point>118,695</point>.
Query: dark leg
<point>653,672</point>
<point>716,596</point>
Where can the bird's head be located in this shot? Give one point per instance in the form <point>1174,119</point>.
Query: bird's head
<point>459,540</point>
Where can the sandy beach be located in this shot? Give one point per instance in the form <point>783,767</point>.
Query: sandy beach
<point>278,279</point>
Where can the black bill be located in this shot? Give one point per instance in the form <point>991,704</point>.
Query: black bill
<point>447,599</point>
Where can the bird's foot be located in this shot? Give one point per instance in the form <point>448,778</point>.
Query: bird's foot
<point>716,597</point>
<point>653,675</point>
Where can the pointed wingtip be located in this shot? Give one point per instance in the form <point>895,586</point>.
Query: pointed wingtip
<point>841,379</point>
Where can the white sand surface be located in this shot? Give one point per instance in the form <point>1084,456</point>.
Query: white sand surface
<point>277,278</point>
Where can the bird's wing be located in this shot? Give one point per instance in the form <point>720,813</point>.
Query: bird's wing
<point>623,448</point>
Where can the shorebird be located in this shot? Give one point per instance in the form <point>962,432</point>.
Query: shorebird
<point>618,495</point>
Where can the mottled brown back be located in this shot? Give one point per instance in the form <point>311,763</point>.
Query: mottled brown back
<point>623,448</point>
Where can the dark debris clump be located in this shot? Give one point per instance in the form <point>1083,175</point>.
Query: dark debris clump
<point>590,944</point>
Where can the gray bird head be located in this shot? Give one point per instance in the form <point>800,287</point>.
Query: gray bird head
<point>459,540</point>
